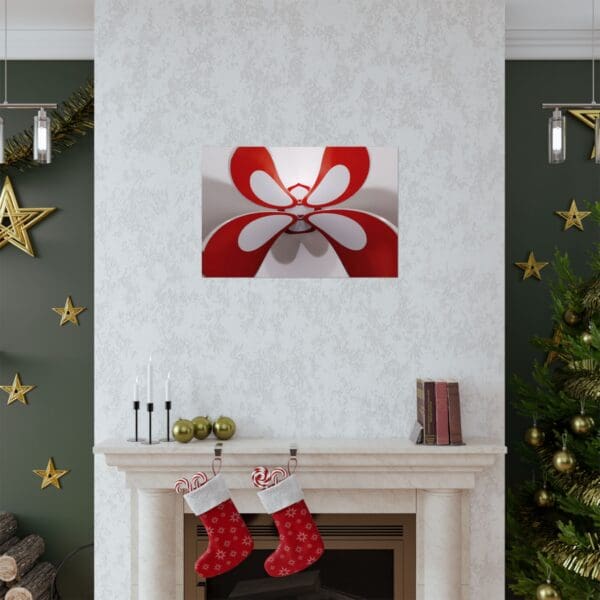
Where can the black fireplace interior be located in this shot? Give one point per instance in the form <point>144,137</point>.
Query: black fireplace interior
<point>339,575</point>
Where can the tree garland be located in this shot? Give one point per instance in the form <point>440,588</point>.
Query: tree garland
<point>71,120</point>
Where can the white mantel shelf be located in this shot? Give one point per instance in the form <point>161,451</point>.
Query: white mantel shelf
<point>338,476</point>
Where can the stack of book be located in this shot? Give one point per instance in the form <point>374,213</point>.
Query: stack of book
<point>438,413</point>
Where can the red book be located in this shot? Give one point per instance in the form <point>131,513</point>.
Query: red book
<point>454,414</point>
<point>426,409</point>
<point>442,433</point>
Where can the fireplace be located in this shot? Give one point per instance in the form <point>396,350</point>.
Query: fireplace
<point>432,484</point>
<point>368,557</point>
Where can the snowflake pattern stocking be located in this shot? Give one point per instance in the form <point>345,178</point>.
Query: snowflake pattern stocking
<point>300,543</point>
<point>229,541</point>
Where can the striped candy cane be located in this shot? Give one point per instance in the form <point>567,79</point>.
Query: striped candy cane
<point>182,486</point>
<point>198,480</point>
<point>262,478</point>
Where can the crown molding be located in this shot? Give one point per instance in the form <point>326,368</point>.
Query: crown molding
<point>550,44</point>
<point>50,44</point>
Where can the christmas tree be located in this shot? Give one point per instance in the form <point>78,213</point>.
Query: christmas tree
<point>554,520</point>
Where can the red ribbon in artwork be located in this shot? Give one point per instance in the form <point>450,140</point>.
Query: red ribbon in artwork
<point>366,244</point>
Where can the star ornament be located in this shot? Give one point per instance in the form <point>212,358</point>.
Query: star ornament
<point>50,475</point>
<point>587,117</point>
<point>573,217</point>
<point>68,313</point>
<point>532,267</point>
<point>17,392</point>
<point>16,221</point>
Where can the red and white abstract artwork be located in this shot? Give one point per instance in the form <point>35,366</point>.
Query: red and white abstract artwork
<point>300,212</point>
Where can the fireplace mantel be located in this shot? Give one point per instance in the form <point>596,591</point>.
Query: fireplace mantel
<point>338,476</point>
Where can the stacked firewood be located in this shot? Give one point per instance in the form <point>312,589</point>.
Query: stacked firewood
<point>22,577</point>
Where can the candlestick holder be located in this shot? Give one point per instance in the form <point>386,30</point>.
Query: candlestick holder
<point>150,409</point>
<point>168,411</point>
<point>136,409</point>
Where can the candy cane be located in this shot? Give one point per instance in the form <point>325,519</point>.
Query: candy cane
<point>182,486</point>
<point>261,478</point>
<point>278,474</point>
<point>198,480</point>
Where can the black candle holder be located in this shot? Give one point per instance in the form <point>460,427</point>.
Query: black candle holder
<point>150,409</point>
<point>136,409</point>
<point>168,411</point>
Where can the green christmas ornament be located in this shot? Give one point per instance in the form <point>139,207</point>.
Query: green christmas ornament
<point>224,428</point>
<point>183,431</point>
<point>202,427</point>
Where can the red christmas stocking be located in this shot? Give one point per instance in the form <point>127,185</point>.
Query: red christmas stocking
<point>300,543</point>
<point>229,541</point>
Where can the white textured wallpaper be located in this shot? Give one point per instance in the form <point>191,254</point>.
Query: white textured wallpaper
<point>300,358</point>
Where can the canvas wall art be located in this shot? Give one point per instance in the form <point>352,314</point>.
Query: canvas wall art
<point>300,212</point>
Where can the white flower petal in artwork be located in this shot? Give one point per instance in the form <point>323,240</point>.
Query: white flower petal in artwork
<point>342,229</point>
<point>332,186</point>
<point>268,190</point>
<point>260,231</point>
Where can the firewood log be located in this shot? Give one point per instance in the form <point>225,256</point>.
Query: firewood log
<point>8,526</point>
<point>8,544</point>
<point>18,559</point>
<point>34,584</point>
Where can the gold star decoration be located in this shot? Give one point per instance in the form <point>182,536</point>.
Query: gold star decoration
<point>573,217</point>
<point>69,313</point>
<point>17,391</point>
<point>50,475</point>
<point>532,267</point>
<point>15,221</point>
<point>587,117</point>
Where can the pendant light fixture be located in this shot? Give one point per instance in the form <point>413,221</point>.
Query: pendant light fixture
<point>42,139</point>
<point>557,123</point>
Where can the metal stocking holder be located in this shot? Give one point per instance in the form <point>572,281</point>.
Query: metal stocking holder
<point>293,460</point>
<point>217,462</point>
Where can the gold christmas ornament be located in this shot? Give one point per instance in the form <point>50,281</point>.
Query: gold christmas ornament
<point>15,221</point>
<point>183,431</point>
<point>571,317</point>
<point>546,591</point>
<point>535,436</point>
<point>544,498</point>
<point>202,427</point>
<point>573,217</point>
<point>564,460</point>
<point>532,267</point>
<point>68,313</point>
<point>51,475</point>
<point>586,337</point>
<point>17,392</point>
<point>224,428</point>
<point>582,424</point>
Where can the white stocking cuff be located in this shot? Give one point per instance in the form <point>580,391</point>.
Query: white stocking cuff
<point>282,495</point>
<point>211,494</point>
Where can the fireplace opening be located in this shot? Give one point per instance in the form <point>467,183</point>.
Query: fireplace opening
<point>367,557</point>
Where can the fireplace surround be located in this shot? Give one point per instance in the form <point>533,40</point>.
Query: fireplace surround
<point>338,477</point>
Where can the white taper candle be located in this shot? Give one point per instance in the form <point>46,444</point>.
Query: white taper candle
<point>149,380</point>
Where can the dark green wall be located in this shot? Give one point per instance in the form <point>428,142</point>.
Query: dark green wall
<point>534,190</point>
<point>58,421</point>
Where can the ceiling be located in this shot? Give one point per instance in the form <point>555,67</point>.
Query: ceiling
<point>49,29</point>
<point>550,29</point>
<point>535,29</point>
